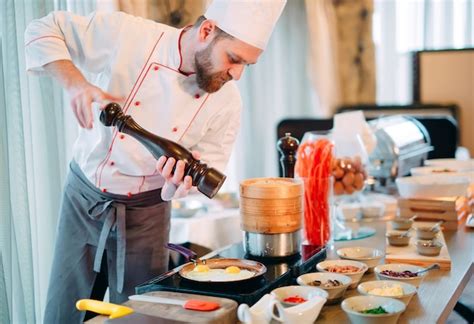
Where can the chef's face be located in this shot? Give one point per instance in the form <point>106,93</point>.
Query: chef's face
<point>222,59</point>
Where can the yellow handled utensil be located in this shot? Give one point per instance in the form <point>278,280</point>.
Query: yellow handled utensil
<point>103,308</point>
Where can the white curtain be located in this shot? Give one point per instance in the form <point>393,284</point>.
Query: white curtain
<point>401,27</point>
<point>323,54</point>
<point>35,141</point>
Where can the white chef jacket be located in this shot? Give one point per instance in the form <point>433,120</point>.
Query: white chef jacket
<point>138,59</point>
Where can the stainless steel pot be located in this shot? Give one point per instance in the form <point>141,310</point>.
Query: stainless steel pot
<point>272,245</point>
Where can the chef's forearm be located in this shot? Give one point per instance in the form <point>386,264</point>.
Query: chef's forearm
<point>67,74</point>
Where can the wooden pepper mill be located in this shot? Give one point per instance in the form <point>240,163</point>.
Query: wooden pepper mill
<point>287,146</point>
<point>207,180</point>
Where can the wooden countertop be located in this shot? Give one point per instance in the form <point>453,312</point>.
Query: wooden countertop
<point>439,291</point>
<point>437,294</point>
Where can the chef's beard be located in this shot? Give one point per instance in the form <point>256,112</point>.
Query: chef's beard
<point>206,80</point>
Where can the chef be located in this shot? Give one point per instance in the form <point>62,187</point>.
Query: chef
<point>177,83</point>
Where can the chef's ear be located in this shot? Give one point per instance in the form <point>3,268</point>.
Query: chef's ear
<point>206,30</point>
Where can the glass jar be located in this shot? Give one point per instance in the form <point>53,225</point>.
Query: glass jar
<point>314,166</point>
<point>334,173</point>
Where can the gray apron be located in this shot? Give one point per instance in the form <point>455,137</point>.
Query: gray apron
<point>132,230</point>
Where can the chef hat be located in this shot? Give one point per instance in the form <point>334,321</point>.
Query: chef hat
<point>251,21</point>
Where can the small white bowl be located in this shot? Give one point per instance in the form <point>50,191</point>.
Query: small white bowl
<point>372,209</point>
<point>349,211</point>
<point>354,305</point>
<point>370,256</point>
<point>408,290</point>
<point>429,248</point>
<point>400,267</point>
<point>355,276</point>
<point>427,232</point>
<point>401,223</point>
<point>335,294</point>
<point>395,239</point>
<point>305,292</point>
<point>429,186</point>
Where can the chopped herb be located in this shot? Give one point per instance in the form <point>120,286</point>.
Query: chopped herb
<point>378,310</point>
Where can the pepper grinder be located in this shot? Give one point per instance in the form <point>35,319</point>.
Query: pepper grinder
<point>287,146</point>
<point>207,180</point>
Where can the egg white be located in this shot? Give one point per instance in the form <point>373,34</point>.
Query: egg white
<point>219,275</point>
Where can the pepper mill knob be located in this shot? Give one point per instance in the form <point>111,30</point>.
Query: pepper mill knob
<point>287,146</point>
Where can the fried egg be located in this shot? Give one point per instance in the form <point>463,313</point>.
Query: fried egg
<point>201,268</point>
<point>232,269</point>
<point>231,273</point>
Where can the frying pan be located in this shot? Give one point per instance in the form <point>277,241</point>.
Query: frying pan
<point>216,263</point>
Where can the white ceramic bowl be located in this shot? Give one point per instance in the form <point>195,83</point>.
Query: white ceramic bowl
<point>335,294</point>
<point>355,276</point>
<point>372,209</point>
<point>428,248</point>
<point>349,211</point>
<point>429,186</point>
<point>395,239</point>
<point>426,232</point>
<point>452,164</point>
<point>306,292</point>
<point>400,267</point>
<point>401,223</point>
<point>370,256</point>
<point>354,305</point>
<point>408,289</point>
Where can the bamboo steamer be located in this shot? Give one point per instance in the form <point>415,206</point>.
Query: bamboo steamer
<point>271,205</point>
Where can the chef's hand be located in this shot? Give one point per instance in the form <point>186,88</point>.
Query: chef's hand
<point>175,186</point>
<point>81,91</point>
<point>82,98</point>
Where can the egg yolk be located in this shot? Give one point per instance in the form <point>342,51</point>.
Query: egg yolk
<point>201,268</point>
<point>232,269</point>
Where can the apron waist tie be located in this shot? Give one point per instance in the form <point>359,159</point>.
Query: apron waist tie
<point>113,215</point>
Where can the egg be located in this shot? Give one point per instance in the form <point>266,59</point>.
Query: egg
<point>232,269</point>
<point>231,273</point>
<point>201,268</point>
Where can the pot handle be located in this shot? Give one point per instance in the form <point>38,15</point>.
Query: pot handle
<point>187,253</point>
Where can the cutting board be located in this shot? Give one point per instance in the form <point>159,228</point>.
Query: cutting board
<point>227,314</point>
<point>409,255</point>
